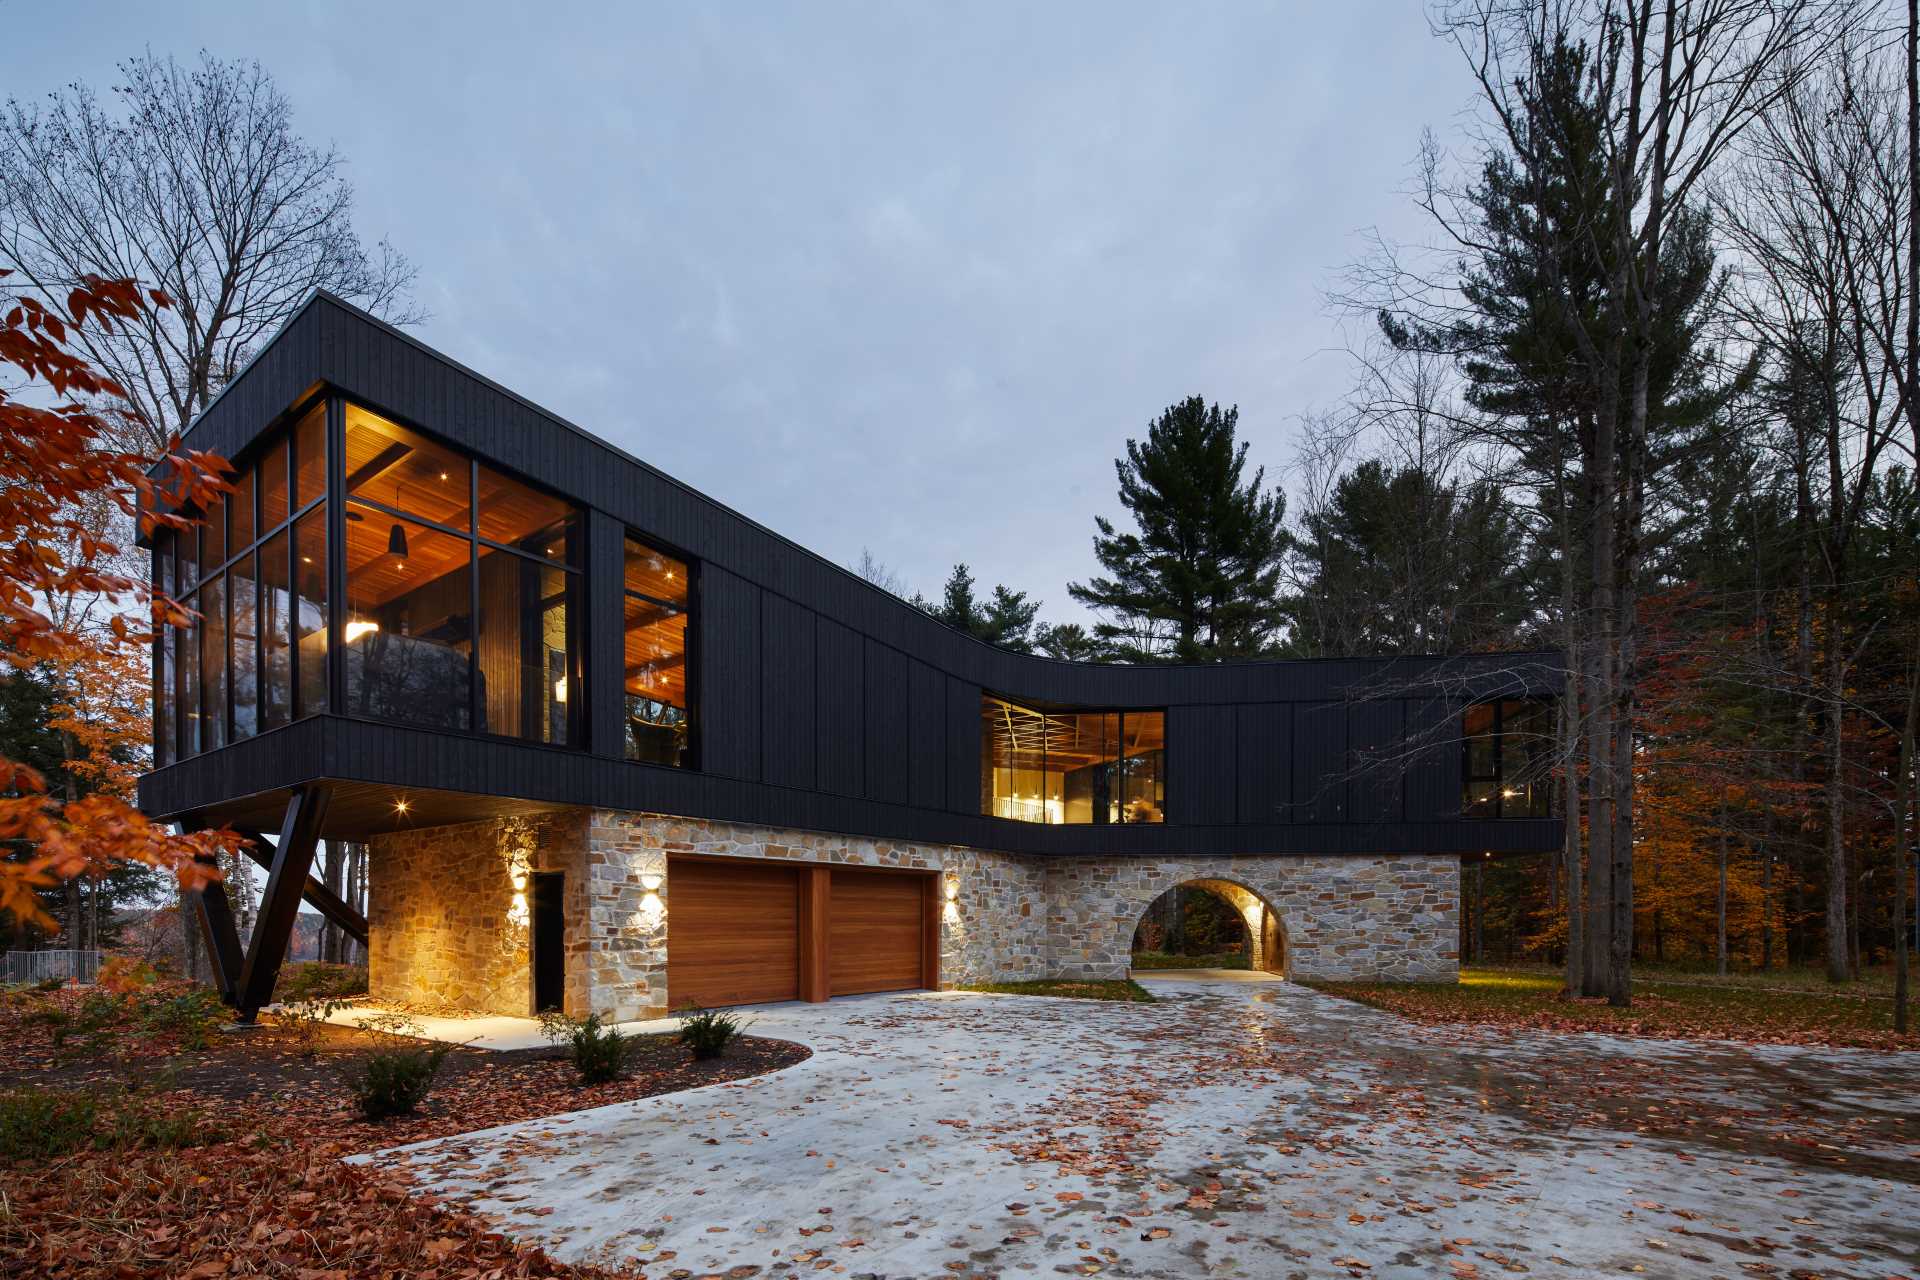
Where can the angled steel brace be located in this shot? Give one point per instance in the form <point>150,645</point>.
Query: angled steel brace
<point>214,910</point>
<point>280,904</point>
<point>318,896</point>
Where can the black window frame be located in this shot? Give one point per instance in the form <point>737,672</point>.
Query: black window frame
<point>574,563</point>
<point>695,721</point>
<point>185,589</point>
<point>1499,734</point>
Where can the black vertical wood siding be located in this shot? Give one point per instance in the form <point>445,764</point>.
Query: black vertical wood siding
<point>824,702</point>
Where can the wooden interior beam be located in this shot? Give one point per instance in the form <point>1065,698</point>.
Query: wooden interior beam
<point>280,904</point>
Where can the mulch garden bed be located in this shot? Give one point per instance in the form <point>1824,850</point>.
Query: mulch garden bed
<point>268,1194</point>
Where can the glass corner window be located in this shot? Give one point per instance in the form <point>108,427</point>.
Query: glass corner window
<point>1094,767</point>
<point>462,607</point>
<point>1508,749</point>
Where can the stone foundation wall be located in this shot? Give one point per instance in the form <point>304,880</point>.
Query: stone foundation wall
<point>449,920</point>
<point>993,929</point>
<point>447,912</point>
<point>1390,917</point>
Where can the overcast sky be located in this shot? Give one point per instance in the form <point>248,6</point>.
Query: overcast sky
<point>895,277</point>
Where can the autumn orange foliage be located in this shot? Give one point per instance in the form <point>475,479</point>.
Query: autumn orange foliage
<point>56,460</point>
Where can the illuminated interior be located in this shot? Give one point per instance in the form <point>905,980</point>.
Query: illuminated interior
<point>461,609</point>
<point>659,722</point>
<point>457,612</point>
<point>1509,759</point>
<point>1095,767</point>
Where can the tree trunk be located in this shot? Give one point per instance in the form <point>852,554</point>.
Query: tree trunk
<point>1480,911</point>
<point>1837,966</point>
<point>1720,898</point>
<point>331,937</point>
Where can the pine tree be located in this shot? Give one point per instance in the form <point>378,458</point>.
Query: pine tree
<point>1199,580</point>
<point>1005,619</point>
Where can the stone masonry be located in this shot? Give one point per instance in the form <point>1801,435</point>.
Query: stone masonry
<point>449,925</point>
<point>447,912</point>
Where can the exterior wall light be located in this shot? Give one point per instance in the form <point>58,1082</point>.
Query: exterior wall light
<point>650,881</point>
<point>953,887</point>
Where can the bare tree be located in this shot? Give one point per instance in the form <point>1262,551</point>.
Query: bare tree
<point>1819,211</point>
<point>191,180</point>
<point>1669,88</point>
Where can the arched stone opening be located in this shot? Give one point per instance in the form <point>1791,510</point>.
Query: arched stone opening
<point>1261,934</point>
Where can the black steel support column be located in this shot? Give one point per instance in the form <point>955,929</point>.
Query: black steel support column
<point>318,896</point>
<point>214,911</point>
<point>280,904</point>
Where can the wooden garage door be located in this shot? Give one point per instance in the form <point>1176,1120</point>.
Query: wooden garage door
<point>879,927</point>
<point>733,933</point>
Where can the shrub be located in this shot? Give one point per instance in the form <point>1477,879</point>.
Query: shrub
<point>122,974</point>
<point>88,1029</point>
<point>305,1018</point>
<point>47,986</point>
<point>708,1032</point>
<point>37,1124</point>
<point>599,1052</point>
<point>45,1123</point>
<point>190,1018</point>
<point>393,1081</point>
<point>317,980</point>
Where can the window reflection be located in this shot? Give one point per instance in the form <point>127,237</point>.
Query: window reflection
<point>213,663</point>
<point>310,612</point>
<point>659,720</point>
<point>246,638</point>
<point>408,629</point>
<point>1097,767</point>
<point>276,652</point>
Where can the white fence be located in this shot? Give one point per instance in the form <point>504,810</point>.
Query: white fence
<point>38,966</point>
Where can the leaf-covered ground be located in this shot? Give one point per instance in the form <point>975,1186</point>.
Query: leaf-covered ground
<point>1248,1128</point>
<point>267,1193</point>
<point>1070,988</point>
<point>1673,1008</point>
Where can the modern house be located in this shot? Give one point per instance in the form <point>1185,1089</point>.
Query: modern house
<point>615,747</point>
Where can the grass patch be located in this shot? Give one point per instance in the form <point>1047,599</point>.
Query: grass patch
<point>1073,988</point>
<point>1683,1009</point>
<point>1161,960</point>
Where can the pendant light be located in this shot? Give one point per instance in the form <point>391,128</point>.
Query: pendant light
<point>397,536</point>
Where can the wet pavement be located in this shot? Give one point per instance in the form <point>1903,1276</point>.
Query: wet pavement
<point>1236,1128</point>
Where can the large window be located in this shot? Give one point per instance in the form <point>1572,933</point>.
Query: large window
<point>1072,766</point>
<point>461,582</point>
<point>1508,759</point>
<point>659,715</point>
<point>461,608</point>
<point>231,673</point>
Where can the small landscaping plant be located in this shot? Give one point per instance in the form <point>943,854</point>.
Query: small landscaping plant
<point>708,1032</point>
<point>599,1052</point>
<point>305,1018</point>
<point>42,1124</point>
<point>395,1078</point>
<point>189,1018</point>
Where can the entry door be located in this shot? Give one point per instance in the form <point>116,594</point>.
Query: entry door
<point>733,933</point>
<point>549,940</point>
<point>878,931</point>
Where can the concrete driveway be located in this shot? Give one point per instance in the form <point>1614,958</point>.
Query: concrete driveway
<point>1237,1128</point>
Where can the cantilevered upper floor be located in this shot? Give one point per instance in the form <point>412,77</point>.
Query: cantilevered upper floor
<point>452,602</point>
